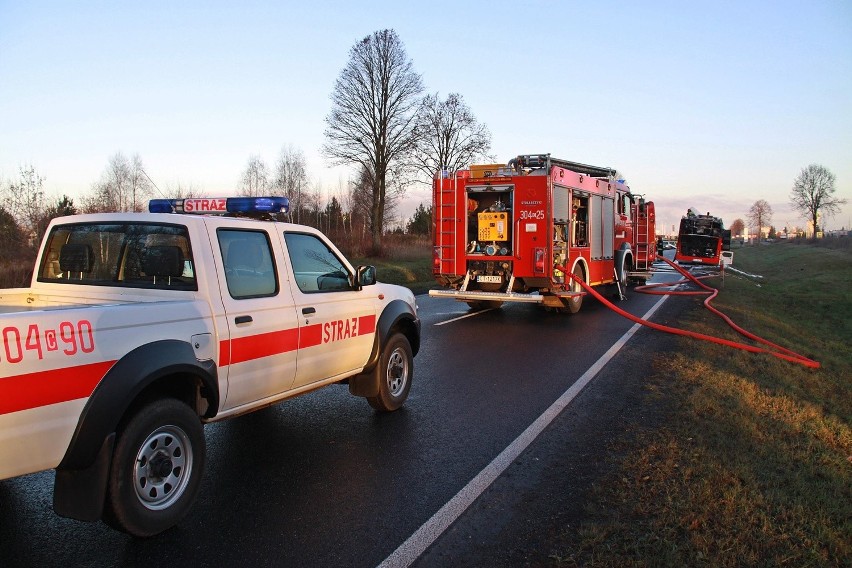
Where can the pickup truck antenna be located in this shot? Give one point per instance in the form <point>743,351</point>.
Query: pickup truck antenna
<point>152,183</point>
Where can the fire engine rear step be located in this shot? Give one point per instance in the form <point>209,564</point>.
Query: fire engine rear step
<point>487,296</point>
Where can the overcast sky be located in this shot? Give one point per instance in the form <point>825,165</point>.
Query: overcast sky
<point>711,105</point>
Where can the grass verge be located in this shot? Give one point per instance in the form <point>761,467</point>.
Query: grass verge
<point>413,273</point>
<point>752,464</point>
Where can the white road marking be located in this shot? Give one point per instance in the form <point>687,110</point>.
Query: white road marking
<point>470,315</point>
<point>429,532</point>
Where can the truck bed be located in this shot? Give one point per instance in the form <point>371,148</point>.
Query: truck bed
<point>17,300</point>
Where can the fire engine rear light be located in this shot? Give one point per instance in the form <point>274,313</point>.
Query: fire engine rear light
<point>208,205</point>
<point>539,261</point>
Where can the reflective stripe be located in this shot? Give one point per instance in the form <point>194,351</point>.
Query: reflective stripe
<point>262,345</point>
<point>23,392</point>
<point>241,349</point>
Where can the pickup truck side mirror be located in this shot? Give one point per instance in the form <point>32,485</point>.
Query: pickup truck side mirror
<point>365,276</point>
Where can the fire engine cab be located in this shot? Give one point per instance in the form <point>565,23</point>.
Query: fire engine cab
<point>509,233</point>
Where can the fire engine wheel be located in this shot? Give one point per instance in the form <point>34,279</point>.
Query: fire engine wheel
<point>156,468</point>
<point>396,370</point>
<point>573,304</point>
<point>626,266</point>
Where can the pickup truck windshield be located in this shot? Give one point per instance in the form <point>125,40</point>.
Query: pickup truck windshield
<point>135,255</point>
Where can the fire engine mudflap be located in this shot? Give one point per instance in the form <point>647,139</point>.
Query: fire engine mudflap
<point>507,233</point>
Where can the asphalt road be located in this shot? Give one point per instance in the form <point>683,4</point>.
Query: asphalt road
<point>323,480</point>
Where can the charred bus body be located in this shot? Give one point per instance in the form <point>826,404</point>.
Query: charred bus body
<point>701,239</point>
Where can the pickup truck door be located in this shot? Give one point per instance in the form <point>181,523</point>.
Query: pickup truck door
<point>259,354</point>
<point>337,323</point>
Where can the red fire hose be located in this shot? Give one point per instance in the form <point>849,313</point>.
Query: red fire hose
<point>710,292</point>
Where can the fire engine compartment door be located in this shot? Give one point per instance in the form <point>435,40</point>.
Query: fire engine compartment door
<point>601,214</point>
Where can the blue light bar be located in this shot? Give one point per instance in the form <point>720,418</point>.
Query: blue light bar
<point>252,204</point>
<point>162,205</point>
<point>213,205</point>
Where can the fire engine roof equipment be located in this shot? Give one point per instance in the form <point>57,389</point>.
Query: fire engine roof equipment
<point>534,161</point>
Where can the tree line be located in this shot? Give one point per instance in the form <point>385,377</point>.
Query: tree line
<point>380,123</point>
<point>812,196</point>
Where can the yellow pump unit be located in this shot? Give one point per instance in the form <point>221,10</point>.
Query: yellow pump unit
<point>493,226</point>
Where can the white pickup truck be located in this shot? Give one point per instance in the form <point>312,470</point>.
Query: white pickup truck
<point>138,328</point>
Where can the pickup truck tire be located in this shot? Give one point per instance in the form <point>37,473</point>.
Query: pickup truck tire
<point>396,369</point>
<point>156,468</point>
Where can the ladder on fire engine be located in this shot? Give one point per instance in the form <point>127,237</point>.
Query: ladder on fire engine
<point>445,203</point>
<point>645,243</point>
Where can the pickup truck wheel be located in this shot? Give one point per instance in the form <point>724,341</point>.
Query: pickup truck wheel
<point>156,468</point>
<point>396,371</point>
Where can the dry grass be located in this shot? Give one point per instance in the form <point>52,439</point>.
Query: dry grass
<point>754,465</point>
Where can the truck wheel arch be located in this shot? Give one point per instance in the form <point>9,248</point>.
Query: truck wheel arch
<point>583,266</point>
<point>623,262</point>
<point>396,317</point>
<point>80,483</point>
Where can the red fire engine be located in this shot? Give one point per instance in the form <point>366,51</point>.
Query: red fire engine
<point>504,233</point>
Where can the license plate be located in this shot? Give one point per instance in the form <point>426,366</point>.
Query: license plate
<point>489,279</point>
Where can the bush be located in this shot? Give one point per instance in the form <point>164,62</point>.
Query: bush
<point>16,273</point>
<point>831,242</point>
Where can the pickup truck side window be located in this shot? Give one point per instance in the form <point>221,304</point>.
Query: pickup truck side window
<point>249,268</point>
<point>315,266</point>
<point>128,255</point>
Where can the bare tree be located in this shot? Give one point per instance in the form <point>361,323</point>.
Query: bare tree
<point>123,186</point>
<point>813,193</point>
<point>255,180</point>
<point>26,213</point>
<point>140,185</point>
<point>182,191</point>
<point>760,215</point>
<point>312,204</point>
<point>360,202</point>
<point>24,200</point>
<point>117,182</point>
<point>99,199</point>
<point>291,177</point>
<point>371,124</point>
<point>449,136</point>
<point>737,227</point>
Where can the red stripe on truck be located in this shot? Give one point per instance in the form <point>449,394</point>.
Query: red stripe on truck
<point>263,345</point>
<point>23,392</point>
<point>274,343</point>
